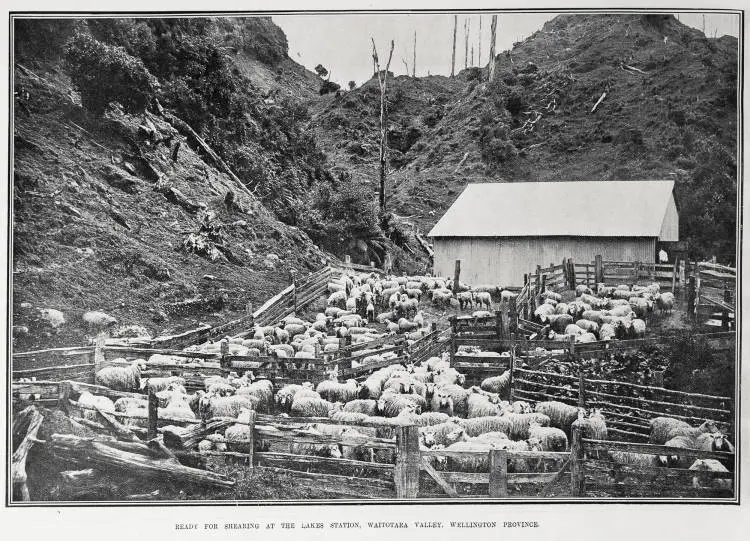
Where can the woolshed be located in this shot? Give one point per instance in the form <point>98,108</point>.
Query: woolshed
<point>500,231</point>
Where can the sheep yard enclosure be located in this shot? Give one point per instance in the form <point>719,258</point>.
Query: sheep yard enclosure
<point>414,396</point>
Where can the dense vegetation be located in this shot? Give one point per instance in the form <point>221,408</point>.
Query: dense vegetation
<point>261,137</point>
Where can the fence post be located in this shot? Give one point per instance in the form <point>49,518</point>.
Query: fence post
<point>636,272</point>
<point>725,313</point>
<point>577,479</point>
<point>581,390</point>
<point>564,267</point>
<point>347,260</point>
<point>453,346</point>
<point>498,473</point>
<point>251,438</point>
<point>538,279</point>
<point>63,395</point>
<point>512,372</point>
<point>572,273</point>
<point>456,277</point>
<point>512,316</point>
<point>691,297</point>
<point>675,270</point>
<point>598,270</point>
<point>544,284</point>
<point>499,327</point>
<point>99,359</point>
<point>153,414</point>
<point>408,460</point>
<point>572,345</point>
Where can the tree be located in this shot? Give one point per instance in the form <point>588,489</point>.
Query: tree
<point>466,43</point>
<point>105,74</point>
<point>479,48</point>
<point>493,33</point>
<point>352,85</point>
<point>321,71</point>
<point>453,58</point>
<point>383,82</point>
<point>414,59</point>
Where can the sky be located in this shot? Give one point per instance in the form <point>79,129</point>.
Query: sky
<point>342,42</point>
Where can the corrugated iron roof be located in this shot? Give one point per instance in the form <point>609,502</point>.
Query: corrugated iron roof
<point>610,208</point>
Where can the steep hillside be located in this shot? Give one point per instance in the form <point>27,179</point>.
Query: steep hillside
<point>669,112</point>
<point>120,211</point>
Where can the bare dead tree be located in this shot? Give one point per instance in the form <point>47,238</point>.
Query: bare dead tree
<point>383,82</point>
<point>472,55</point>
<point>453,58</point>
<point>406,66</point>
<point>493,34</point>
<point>466,42</point>
<point>414,59</point>
<point>479,49</point>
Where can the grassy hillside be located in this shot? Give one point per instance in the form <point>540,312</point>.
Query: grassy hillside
<point>669,113</point>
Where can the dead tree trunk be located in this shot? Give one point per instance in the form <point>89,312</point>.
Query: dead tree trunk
<point>493,34</point>
<point>453,58</point>
<point>479,48</point>
<point>383,82</point>
<point>466,43</point>
<point>414,58</point>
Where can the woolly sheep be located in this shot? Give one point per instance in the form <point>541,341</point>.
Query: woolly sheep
<point>285,396</point>
<point>606,332</point>
<point>665,302</point>
<point>102,402</point>
<point>549,438</point>
<point>334,391</point>
<point>481,425</point>
<point>588,326</point>
<point>330,450</point>
<point>310,406</point>
<point>367,406</point>
<point>98,320</point>
<point>707,426</point>
<point>223,406</point>
<point>261,389</point>
<point>120,378</point>
<point>451,399</point>
<point>124,404</point>
<point>496,384</point>
<point>660,428</point>
<point>560,415</point>
<point>710,465</point>
<point>479,406</point>
<point>443,434</point>
<point>391,405</point>
<point>593,427</point>
<point>558,322</point>
<point>520,422</point>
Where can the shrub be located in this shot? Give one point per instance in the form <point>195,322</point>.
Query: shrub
<point>104,74</point>
<point>515,102</point>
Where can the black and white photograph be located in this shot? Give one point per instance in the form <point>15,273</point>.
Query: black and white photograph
<point>323,258</point>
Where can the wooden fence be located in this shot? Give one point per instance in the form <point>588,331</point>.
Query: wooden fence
<point>594,472</point>
<point>628,407</point>
<point>402,469</point>
<point>712,294</point>
<point>300,293</point>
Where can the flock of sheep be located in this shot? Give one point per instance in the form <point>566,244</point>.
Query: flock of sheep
<point>431,395</point>
<point>613,312</point>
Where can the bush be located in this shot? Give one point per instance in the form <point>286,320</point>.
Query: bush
<point>327,87</point>
<point>515,102</point>
<point>104,74</point>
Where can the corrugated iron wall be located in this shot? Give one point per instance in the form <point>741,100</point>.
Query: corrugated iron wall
<point>504,261</point>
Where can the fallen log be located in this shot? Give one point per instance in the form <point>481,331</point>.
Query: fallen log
<point>192,137</point>
<point>101,455</point>
<point>31,419</point>
<point>178,437</point>
<point>601,98</point>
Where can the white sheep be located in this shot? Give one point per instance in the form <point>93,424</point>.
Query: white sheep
<point>496,384</point>
<point>549,438</point>
<point>310,406</point>
<point>665,301</point>
<point>560,415</point>
<point>710,465</point>
<point>121,378</point>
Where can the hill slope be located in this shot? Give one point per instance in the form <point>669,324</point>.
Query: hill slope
<point>669,112</point>
<point>121,212</point>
